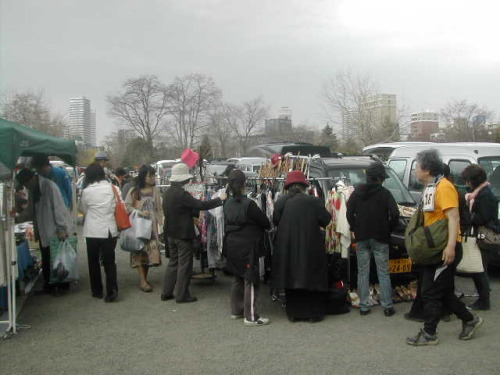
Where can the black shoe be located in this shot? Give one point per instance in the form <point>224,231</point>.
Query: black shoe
<point>187,300</point>
<point>364,312</point>
<point>316,319</point>
<point>413,318</point>
<point>390,311</point>
<point>97,295</point>
<point>165,297</point>
<point>479,305</point>
<point>111,296</point>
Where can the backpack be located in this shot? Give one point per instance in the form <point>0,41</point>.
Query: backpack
<point>425,245</point>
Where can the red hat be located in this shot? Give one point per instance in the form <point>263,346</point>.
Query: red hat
<point>295,177</point>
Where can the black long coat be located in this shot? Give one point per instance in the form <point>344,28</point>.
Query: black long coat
<point>299,259</point>
<point>244,229</point>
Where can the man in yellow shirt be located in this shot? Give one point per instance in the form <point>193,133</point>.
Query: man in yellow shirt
<point>440,201</point>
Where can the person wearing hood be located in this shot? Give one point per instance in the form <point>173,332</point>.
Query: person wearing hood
<point>372,213</point>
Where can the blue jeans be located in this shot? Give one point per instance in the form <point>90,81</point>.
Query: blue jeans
<point>380,252</point>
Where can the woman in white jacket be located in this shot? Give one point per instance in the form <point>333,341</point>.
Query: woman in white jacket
<point>100,231</point>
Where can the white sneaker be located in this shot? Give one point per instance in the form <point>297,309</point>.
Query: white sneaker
<point>235,317</point>
<point>258,322</point>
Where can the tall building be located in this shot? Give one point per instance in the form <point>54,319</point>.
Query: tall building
<point>280,125</point>
<point>382,108</point>
<point>423,124</point>
<point>375,111</point>
<point>82,121</point>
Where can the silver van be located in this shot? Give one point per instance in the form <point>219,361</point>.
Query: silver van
<point>457,155</point>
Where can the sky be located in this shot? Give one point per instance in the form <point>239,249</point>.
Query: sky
<point>427,52</point>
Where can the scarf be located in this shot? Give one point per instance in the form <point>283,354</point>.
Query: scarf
<point>470,197</point>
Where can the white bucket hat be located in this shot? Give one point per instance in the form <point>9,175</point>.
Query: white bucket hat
<point>180,173</point>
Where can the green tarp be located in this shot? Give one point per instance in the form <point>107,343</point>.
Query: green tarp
<point>18,140</point>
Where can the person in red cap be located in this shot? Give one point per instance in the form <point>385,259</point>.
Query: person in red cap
<point>300,263</point>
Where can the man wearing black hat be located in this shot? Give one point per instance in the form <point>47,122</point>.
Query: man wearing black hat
<point>372,213</point>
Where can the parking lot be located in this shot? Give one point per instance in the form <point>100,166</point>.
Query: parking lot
<point>139,334</point>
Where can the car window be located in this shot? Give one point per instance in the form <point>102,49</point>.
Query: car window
<point>399,166</point>
<point>413,183</point>
<point>350,176</point>
<point>456,168</point>
<point>492,167</point>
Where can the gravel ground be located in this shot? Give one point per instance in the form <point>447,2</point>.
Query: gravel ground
<point>139,334</point>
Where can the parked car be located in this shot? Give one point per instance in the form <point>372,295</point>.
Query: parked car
<point>326,172</point>
<point>267,150</point>
<point>249,165</point>
<point>384,150</point>
<point>457,155</point>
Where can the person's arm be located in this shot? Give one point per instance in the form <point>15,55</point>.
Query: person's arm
<point>453,221</point>
<point>191,202</point>
<point>256,215</point>
<point>393,212</point>
<point>350,213</point>
<point>129,201</point>
<point>324,217</point>
<point>278,210</point>
<point>60,212</point>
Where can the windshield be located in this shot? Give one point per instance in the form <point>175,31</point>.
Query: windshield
<point>356,175</point>
<point>491,165</point>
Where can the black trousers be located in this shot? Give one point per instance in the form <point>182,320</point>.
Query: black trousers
<point>438,291</point>
<point>482,282</point>
<point>102,249</point>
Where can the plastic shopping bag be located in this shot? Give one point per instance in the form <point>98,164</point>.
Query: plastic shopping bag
<point>142,226</point>
<point>129,241</point>
<point>64,265</point>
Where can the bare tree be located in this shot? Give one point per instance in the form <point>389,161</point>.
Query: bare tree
<point>348,96</point>
<point>221,123</point>
<point>190,101</point>
<point>251,115</point>
<point>465,121</point>
<point>142,106</point>
<point>31,109</point>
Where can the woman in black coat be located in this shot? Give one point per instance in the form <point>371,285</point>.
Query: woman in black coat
<point>484,211</point>
<point>299,259</point>
<point>244,244</point>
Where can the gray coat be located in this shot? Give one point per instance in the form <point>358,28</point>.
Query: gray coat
<point>51,212</point>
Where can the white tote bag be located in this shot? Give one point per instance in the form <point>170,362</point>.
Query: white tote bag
<point>471,260</point>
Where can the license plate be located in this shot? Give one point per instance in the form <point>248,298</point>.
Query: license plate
<point>399,265</point>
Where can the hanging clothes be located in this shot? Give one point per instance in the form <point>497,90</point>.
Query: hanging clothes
<point>338,233</point>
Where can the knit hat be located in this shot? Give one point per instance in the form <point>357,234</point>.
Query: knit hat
<point>376,169</point>
<point>295,177</point>
<point>180,173</point>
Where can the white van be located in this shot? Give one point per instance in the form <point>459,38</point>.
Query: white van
<point>249,165</point>
<point>457,155</point>
<point>384,150</point>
